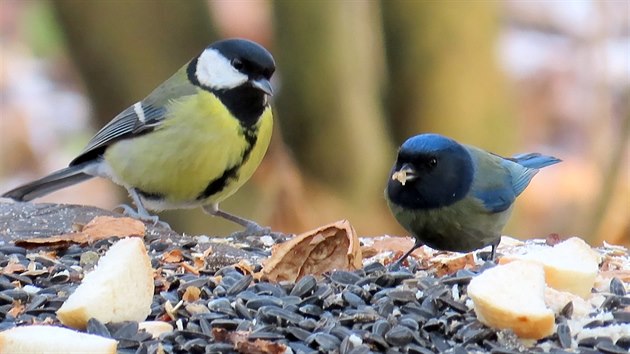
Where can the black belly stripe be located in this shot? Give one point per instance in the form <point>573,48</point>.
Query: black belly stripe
<point>217,185</point>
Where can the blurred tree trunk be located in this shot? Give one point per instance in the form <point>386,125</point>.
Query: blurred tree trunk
<point>444,75</point>
<point>124,49</point>
<point>330,55</point>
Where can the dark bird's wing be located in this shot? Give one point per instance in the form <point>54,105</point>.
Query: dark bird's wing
<point>499,181</point>
<point>138,119</point>
<point>498,199</point>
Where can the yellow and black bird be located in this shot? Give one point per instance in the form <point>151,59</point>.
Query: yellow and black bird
<point>193,142</point>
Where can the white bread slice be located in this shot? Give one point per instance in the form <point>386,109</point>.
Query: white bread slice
<point>119,289</point>
<point>570,266</point>
<point>513,296</point>
<point>50,339</point>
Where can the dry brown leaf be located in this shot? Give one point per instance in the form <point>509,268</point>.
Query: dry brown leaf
<point>451,263</point>
<point>392,244</point>
<point>189,268</point>
<point>13,267</point>
<point>199,263</point>
<point>334,246</point>
<point>397,246</point>
<point>49,254</point>
<point>17,308</point>
<point>243,344</point>
<point>172,256</point>
<point>260,346</point>
<point>101,227</point>
<point>191,294</point>
<point>244,266</point>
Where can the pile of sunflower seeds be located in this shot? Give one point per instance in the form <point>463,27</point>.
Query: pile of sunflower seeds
<point>368,310</point>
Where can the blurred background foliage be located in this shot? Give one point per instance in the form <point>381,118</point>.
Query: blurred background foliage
<point>354,80</point>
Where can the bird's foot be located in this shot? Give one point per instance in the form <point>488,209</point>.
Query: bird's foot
<point>394,267</point>
<point>253,229</point>
<point>486,256</point>
<point>398,265</point>
<point>142,215</point>
<point>489,256</point>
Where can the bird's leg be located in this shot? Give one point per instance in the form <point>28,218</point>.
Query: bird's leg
<point>396,265</point>
<point>493,253</point>
<point>251,227</point>
<point>142,213</point>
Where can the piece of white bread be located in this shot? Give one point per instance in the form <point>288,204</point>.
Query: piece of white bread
<point>119,289</point>
<point>49,339</point>
<point>513,296</point>
<point>570,266</point>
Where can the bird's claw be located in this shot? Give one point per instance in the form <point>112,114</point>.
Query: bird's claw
<point>142,216</point>
<point>253,229</point>
<point>394,267</point>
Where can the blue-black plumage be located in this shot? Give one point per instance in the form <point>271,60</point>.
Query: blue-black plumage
<point>456,197</point>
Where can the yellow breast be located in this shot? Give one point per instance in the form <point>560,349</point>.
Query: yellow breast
<point>197,143</point>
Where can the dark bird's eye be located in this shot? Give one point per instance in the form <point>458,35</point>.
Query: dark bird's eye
<point>237,64</point>
<point>433,162</point>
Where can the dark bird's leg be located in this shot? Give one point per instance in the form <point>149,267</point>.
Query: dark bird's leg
<point>141,213</point>
<point>493,253</point>
<point>398,263</point>
<point>251,227</point>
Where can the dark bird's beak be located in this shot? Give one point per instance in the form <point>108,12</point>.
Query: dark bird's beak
<point>406,173</point>
<point>263,85</point>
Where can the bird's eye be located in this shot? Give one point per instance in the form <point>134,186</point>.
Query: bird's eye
<point>237,64</point>
<point>433,162</point>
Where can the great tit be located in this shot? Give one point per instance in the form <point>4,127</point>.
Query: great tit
<point>456,197</point>
<point>193,142</point>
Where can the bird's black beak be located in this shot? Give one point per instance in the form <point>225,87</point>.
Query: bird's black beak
<point>404,174</point>
<point>263,85</point>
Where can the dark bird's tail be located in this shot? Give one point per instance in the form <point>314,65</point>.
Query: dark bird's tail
<point>54,181</point>
<point>534,160</point>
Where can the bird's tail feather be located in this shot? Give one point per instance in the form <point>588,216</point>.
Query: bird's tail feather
<point>46,185</point>
<point>534,160</point>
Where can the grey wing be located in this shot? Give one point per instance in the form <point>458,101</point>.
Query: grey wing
<point>138,119</point>
<point>133,121</point>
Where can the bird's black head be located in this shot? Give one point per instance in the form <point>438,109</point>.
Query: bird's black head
<point>431,171</point>
<point>238,71</point>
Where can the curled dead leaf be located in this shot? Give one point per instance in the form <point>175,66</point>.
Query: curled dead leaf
<point>172,256</point>
<point>101,227</point>
<point>334,246</point>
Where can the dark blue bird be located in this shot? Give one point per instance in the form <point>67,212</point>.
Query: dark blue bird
<point>456,197</point>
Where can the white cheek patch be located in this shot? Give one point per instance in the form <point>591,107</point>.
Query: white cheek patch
<point>215,71</point>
